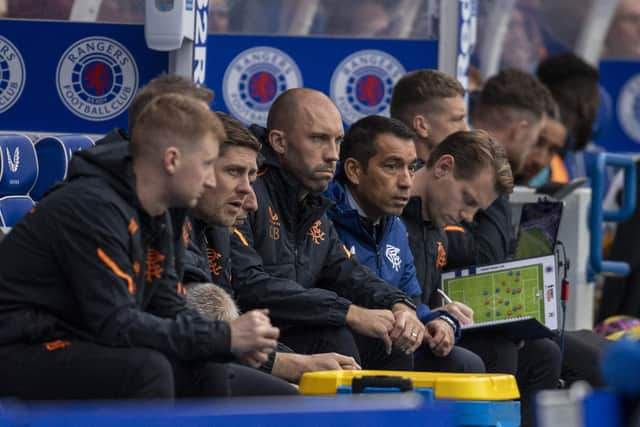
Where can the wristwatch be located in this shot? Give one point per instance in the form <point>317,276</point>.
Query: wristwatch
<point>404,300</point>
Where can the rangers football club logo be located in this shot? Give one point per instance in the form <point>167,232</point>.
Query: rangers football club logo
<point>363,83</point>
<point>12,74</point>
<point>97,78</point>
<point>629,108</point>
<point>254,79</point>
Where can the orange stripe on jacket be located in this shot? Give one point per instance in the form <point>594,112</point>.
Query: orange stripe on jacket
<point>240,236</point>
<point>454,228</point>
<point>346,251</point>
<point>114,267</point>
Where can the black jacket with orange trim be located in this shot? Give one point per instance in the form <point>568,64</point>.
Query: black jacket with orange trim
<point>288,257</point>
<point>88,263</point>
<point>208,254</point>
<point>429,246</point>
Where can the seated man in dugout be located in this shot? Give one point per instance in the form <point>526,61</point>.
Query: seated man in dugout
<point>287,256</point>
<point>90,301</point>
<point>371,189</point>
<point>207,275</point>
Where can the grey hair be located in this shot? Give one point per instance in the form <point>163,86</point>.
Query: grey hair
<point>212,302</point>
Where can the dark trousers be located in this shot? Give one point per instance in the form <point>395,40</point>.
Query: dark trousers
<point>536,365</point>
<point>581,358</point>
<point>84,370</point>
<point>369,352</point>
<point>458,360</point>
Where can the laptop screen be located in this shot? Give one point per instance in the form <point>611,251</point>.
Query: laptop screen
<point>538,230</point>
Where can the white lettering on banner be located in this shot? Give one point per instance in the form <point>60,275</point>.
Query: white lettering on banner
<point>464,43</point>
<point>363,82</point>
<point>97,78</point>
<point>12,74</point>
<point>200,42</point>
<point>254,78</point>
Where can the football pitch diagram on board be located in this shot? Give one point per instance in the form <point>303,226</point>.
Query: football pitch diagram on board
<point>502,294</point>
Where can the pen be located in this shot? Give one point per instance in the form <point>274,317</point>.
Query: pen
<point>444,296</point>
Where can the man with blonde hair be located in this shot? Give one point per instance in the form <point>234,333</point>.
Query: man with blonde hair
<point>90,300</point>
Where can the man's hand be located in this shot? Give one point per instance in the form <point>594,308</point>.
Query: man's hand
<point>460,311</point>
<point>372,323</point>
<point>408,331</point>
<point>291,366</point>
<point>439,337</point>
<point>253,337</point>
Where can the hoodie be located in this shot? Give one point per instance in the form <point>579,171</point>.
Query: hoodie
<point>89,263</point>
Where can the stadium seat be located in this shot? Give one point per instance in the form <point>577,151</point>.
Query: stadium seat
<point>18,165</point>
<point>12,208</point>
<point>54,154</point>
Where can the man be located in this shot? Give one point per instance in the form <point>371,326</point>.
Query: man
<point>89,294</point>
<point>512,108</point>
<point>288,257</point>
<point>208,256</point>
<point>432,104</point>
<point>537,168</point>
<point>372,187</point>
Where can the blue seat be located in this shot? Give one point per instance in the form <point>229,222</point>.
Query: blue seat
<point>54,154</point>
<point>18,165</point>
<point>12,208</point>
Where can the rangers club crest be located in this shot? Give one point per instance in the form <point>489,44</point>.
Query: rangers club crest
<point>629,108</point>
<point>12,74</point>
<point>254,78</point>
<point>97,78</point>
<point>363,82</point>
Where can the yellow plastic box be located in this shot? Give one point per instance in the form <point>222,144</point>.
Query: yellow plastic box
<point>486,387</point>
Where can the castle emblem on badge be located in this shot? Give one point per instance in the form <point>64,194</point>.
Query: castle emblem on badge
<point>97,78</point>
<point>254,79</point>
<point>12,74</point>
<point>629,108</point>
<point>363,83</point>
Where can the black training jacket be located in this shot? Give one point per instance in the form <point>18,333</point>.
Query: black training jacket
<point>207,259</point>
<point>429,247</point>
<point>288,257</point>
<point>88,263</point>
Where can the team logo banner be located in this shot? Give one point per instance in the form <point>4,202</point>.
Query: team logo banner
<point>358,74</point>
<point>363,82</point>
<point>97,78</point>
<point>254,78</point>
<point>12,74</point>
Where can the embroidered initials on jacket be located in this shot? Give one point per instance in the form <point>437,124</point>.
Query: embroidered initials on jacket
<point>274,225</point>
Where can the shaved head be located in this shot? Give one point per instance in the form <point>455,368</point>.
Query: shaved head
<point>289,107</point>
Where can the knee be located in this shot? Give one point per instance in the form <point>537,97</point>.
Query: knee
<point>467,361</point>
<point>151,375</point>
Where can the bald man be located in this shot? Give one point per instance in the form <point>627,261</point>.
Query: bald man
<point>288,257</point>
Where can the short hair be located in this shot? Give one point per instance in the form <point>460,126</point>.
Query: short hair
<point>509,94</point>
<point>173,119</point>
<point>359,141</point>
<point>474,151</point>
<point>163,84</point>
<point>416,92</point>
<point>211,301</point>
<point>574,84</point>
<point>237,134</point>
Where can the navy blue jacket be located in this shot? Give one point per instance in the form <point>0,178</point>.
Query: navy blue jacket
<point>388,255</point>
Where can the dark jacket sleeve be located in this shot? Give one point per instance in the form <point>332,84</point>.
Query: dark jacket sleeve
<point>92,242</point>
<point>286,300</point>
<point>196,269</point>
<point>346,276</point>
<point>493,233</point>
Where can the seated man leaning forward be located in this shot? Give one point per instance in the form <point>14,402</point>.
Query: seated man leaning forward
<point>90,302</point>
<point>208,258</point>
<point>288,256</point>
<point>372,187</point>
